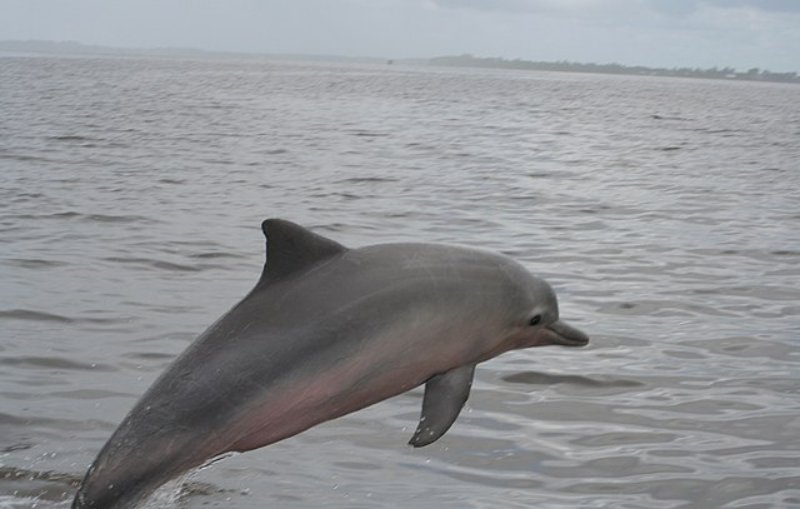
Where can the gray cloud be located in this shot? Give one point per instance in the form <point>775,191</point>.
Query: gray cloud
<point>494,5</point>
<point>677,7</point>
<point>764,5</point>
<point>532,6</point>
<point>686,7</point>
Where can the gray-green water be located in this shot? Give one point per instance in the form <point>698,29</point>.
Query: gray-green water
<point>665,212</point>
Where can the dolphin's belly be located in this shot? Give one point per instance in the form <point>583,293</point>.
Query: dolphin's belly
<point>400,359</point>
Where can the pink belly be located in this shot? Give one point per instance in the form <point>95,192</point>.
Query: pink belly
<point>347,387</point>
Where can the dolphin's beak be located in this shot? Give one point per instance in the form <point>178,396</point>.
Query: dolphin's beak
<point>566,335</point>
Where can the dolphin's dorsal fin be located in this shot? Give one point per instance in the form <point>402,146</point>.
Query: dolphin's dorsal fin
<point>445,394</point>
<point>292,248</point>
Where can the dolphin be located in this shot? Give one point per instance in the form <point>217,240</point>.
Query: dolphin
<point>326,331</point>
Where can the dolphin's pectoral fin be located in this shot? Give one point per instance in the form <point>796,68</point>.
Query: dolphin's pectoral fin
<point>292,248</point>
<point>445,394</point>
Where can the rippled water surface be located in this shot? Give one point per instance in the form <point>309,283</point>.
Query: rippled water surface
<point>665,212</point>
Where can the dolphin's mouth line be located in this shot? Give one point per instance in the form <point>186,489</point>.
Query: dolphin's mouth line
<point>573,342</point>
<point>568,335</point>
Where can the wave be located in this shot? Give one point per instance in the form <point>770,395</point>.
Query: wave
<point>41,316</point>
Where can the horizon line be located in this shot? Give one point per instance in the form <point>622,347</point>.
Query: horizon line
<point>254,53</point>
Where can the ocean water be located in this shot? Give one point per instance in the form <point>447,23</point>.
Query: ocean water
<point>665,212</point>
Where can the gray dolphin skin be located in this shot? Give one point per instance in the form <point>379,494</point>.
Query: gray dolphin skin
<point>326,331</point>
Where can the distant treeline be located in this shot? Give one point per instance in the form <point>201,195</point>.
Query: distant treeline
<point>754,74</point>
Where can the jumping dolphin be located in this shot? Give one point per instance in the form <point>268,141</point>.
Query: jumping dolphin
<point>326,331</point>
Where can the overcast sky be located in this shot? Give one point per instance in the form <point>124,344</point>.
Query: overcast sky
<point>663,33</point>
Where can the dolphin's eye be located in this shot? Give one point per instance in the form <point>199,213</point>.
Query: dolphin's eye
<point>535,320</point>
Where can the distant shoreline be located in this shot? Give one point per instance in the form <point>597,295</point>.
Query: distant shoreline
<point>72,48</point>
<point>39,47</point>
<point>726,73</point>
